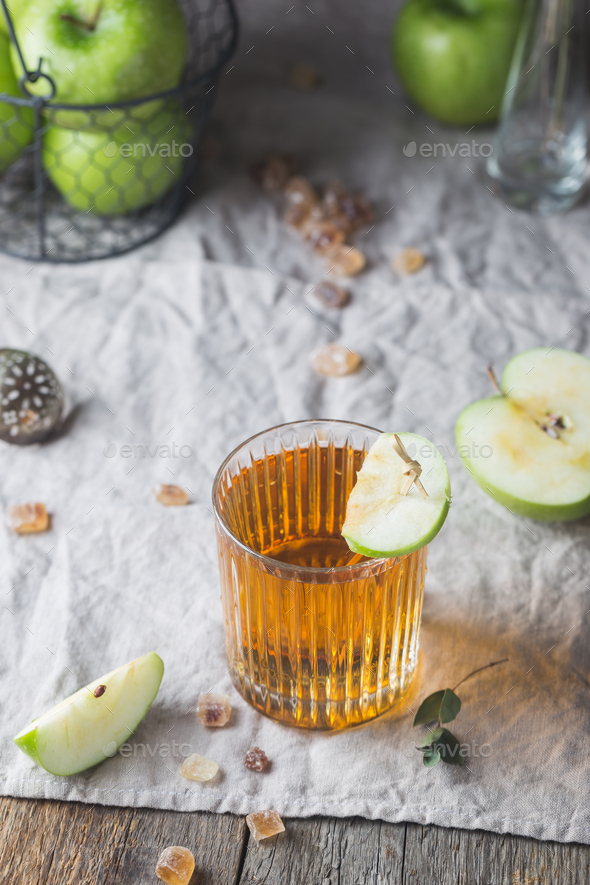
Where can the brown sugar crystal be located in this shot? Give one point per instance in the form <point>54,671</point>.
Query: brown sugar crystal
<point>175,865</point>
<point>256,759</point>
<point>263,824</point>
<point>335,360</point>
<point>322,236</point>
<point>198,768</point>
<point>213,710</point>
<point>274,173</point>
<point>27,518</point>
<point>299,192</point>
<point>346,261</point>
<point>304,77</point>
<point>331,295</point>
<point>348,211</point>
<point>408,261</point>
<point>171,496</point>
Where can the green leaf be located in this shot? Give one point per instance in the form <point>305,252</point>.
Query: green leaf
<point>443,705</point>
<point>429,709</point>
<point>449,706</point>
<point>430,758</point>
<point>449,748</point>
<point>431,736</point>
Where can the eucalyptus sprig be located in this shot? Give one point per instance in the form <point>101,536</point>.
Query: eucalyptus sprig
<point>439,744</point>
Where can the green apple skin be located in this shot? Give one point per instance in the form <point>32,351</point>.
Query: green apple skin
<point>16,122</point>
<point>136,48</point>
<point>94,171</point>
<point>376,502</point>
<point>453,56</point>
<point>535,382</point>
<point>65,747</point>
<point>14,7</point>
<point>410,548</point>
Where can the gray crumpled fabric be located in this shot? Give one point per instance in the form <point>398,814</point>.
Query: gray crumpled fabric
<point>203,338</point>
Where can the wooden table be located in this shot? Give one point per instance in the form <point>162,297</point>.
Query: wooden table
<point>59,843</point>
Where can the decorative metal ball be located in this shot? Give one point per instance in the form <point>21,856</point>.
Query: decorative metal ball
<point>31,398</point>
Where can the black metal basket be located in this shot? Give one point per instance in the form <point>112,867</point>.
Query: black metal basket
<point>60,201</point>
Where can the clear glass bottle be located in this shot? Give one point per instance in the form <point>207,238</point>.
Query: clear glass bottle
<point>539,156</point>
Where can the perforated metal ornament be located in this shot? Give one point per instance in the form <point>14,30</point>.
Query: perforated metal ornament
<point>31,398</point>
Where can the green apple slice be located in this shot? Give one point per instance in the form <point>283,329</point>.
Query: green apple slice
<point>382,522</point>
<point>91,724</point>
<point>530,447</point>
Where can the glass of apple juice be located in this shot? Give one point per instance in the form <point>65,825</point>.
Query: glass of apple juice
<point>313,640</point>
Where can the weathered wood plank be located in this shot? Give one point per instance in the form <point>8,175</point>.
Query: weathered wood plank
<point>326,851</point>
<point>59,843</point>
<point>474,857</point>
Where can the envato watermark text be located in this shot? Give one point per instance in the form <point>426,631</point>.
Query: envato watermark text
<point>144,450</point>
<point>142,150</point>
<point>466,450</point>
<point>149,751</point>
<point>467,750</point>
<point>465,149</point>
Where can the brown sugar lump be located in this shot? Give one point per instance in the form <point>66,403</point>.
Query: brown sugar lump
<point>213,709</point>
<point>198,768</point>
<point>175,865</point>
<point>170,495</point>
<point>335,360</point>
<point>263,824</point>
<point>24,519</point>
<point>408,261</point>
<point>256,759</point>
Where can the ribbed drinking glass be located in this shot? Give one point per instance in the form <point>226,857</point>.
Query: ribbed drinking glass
<point>311,641</point>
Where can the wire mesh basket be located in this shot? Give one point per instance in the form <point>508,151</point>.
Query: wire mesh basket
<point>88,181</point>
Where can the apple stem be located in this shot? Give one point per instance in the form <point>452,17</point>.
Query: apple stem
<point>465,7</point>
<point>494,381</point>
<point>81,23</point>
<point>413,472</point>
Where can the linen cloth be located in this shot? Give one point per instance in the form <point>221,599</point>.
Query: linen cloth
<point>197,341</point>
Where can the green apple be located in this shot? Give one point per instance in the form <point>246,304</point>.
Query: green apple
<point>113,173</point>
<point>529,447</point>
<point>16,122</point>
<point>101,52</point>
<point>14,7</point>
<point>453,56</point>
<point>380,521</point>
<point>91,724</point>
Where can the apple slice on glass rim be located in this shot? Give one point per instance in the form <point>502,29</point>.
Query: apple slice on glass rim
<point>91,724</point>
<point>401,497</point>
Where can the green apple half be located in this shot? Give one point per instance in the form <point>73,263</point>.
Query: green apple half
<point>535,436</point>
<point>113,173</point>
<point>381,522</point>
<point>16,121</point>
<point>85,729</point>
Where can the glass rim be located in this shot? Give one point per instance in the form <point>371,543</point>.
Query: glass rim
<point>351,571</point>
